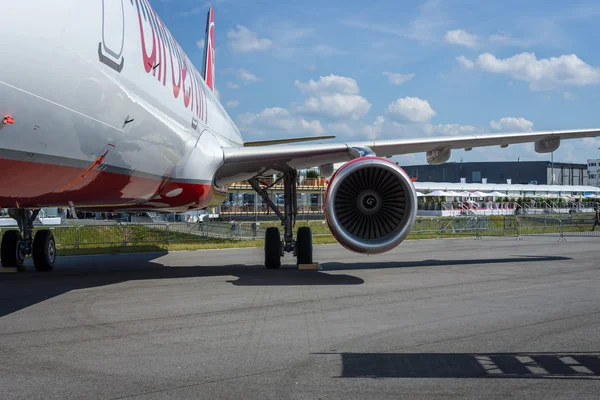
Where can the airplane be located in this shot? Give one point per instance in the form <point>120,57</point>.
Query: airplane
<point>103,111</point>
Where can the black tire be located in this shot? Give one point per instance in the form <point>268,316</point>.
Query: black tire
<point>304,248</point>
<point>44,251</point>
<point>10,252</point>
<point>272,248</point>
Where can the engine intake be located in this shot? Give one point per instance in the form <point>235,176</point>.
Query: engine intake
<point>370,205</point>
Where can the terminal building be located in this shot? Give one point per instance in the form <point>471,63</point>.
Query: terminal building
<point>507,172</point>
<point>594,172</point>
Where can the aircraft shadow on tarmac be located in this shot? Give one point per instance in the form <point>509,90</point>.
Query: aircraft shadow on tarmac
<point>23,290</point>
<point>530,365</point>
<point>333,266</point>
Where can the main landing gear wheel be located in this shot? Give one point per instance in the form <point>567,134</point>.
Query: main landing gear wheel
<point>11,252</point>
<point>44,251</point>
<point>18,244</point>
<point>304,248</point>
<point>272,248</point>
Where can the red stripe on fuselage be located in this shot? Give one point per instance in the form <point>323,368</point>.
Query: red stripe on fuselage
<point>39,185</point>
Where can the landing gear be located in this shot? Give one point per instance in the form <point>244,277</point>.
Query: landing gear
<point>44,251</point>
<point>272,248</point>
<point>18,244</point>
<point>12,249</point>
<point>275,248</point>
<point>304,245</point>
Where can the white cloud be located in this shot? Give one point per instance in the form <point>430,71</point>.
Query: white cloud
<point>449,129</point>
<point>336,105</point>
<point>334,97</point>
<point>383,127</point>
<point>245,41</point>
<point>342,129</point>
<point>545,73</point>
<point>242,75</point>
<point>246,76</point>
<point>412,109</point>
<point>462,38</point>
<point>232,104</point>
<point>360,129</point>
<point>511,124</point>
<point>374,130</point>
<point>279,119</point>
<point>398,79</point>
<point>200,44</point>
<point>465,62</point>
<point>569,96</point>
<point>329,84</point>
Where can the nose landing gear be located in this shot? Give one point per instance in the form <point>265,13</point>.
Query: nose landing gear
<point>18,244</point>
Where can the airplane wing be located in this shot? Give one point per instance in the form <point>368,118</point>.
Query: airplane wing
<point>286,141</point>
<point>247,162</point>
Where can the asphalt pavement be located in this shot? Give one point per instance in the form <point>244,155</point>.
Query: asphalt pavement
<point>451,318</point>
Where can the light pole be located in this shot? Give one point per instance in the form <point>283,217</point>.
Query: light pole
<point>597,171</point>
<point>552,166</point>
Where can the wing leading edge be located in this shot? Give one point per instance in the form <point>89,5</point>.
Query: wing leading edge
<point>246,162</point>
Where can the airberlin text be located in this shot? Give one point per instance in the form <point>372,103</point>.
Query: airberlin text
<point>163,55</point>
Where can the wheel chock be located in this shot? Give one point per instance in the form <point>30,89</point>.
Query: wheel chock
<point>314,266</point>
<point>9,270</point>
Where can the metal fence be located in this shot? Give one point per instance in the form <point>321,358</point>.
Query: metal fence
<point>120,234</point>
<point>309,207</point>
<point>559,227</point>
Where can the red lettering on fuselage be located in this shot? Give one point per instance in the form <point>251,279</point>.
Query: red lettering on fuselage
<point>148,60</point>
<point>166,52</point>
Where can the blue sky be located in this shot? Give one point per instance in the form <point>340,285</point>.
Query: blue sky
<point>399,69</point>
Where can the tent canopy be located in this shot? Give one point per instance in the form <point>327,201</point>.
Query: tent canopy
<point>477,193</point>
<point>437,193</point>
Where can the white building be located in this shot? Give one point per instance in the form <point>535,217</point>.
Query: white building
<point>594,172</point>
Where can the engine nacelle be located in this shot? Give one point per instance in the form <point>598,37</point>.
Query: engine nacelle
<point>370,205</point>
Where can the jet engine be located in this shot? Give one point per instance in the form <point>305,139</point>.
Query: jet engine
<point>370,205</point>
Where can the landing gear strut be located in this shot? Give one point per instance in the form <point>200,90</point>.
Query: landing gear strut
<point>18,244</point>
<point>275,248</point>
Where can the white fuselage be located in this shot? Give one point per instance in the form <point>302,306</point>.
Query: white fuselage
<point>83,79</point>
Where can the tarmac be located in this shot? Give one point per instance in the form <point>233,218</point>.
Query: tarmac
<point>452,318</point>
